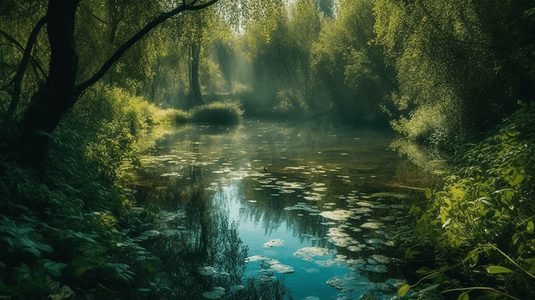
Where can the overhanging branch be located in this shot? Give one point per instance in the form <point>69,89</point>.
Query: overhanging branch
<point>140,34</point>
<point>17,81</point>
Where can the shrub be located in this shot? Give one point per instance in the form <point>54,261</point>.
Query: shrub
<point>217,113</point>
<point>177,116</point>
<point>481,223</point>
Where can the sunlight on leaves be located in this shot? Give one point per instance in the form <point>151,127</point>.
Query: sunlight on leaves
<point>498,270</point>
<point>403,290</point>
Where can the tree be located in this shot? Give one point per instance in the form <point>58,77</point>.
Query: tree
<point>60,91</point>
<point>280,46</point>
<point>461,65</point>
<point>351,67</point>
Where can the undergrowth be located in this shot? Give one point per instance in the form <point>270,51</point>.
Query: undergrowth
<point>74,233</point>
<point>475,238</point>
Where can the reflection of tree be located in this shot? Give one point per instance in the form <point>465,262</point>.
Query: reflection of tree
<point>208,240</point>
<point>270,211</point>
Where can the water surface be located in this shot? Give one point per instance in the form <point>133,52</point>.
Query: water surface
<point>313,208</point>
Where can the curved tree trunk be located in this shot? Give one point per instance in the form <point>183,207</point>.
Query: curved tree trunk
<point>60,92</point>
<point>55,98</point>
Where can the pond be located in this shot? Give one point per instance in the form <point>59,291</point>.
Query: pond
<point>274,211</point>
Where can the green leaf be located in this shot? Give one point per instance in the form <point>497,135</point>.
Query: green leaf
<point>428,193</point>
<point>2,265</point>
<point>403,290</point>
<point>530,261</point>
<point>463,296</point>
<point>530,228</point>
<point>54,268</point>
<point>423,271</point>
<point>498,270</point>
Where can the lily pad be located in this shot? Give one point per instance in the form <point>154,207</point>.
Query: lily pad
<point>337,215</point>
<point>207,271</point>
<point>272,243</point>
<point>276,266</point>
<point>256,258</point>
<point>372,225</point>
<point>307,253</point>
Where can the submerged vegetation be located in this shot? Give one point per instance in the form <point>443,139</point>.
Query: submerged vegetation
<point>82,83</point>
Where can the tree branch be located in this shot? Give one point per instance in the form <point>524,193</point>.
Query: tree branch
<point>12,40</point>
<point>17,80</point>
<point>120,52</point>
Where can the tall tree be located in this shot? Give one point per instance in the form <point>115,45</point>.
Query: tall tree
<point>351,67</point>
<point>461,65</point>
<point>61,90</point>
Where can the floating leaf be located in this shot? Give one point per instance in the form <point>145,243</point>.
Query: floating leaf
<point>403,290</point>
<point>498,270</point>
<point>463,296</point>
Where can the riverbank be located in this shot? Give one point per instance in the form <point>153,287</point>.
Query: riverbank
<point>474,237</point>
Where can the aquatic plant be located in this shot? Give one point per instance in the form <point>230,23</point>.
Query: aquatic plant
<point>177,116</point>
<point>217,113</point>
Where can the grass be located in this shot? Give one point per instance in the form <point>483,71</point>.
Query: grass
<point>217,113</point>
<point>177,116</point>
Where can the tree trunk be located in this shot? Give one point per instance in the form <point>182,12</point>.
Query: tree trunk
<point>194,77</point>
<point>54,99</point>
<point>60,92</point>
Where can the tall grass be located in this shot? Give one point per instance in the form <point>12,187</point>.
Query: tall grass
<point>217,113</point>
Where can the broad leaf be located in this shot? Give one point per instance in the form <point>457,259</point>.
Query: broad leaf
<point>463,296</point>
<point>54,268</point>
<point>403,290</point>
<point>498,270</point>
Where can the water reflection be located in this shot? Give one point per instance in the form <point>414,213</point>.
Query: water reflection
<point>276,211</point>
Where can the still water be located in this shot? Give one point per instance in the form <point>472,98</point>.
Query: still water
<point>275,211</point>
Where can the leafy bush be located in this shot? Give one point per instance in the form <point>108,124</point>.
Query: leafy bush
<point>177,116</point>
<point>217,113</point>
<point>73,231</point>
<point>481,223</point>
<point>59,240</point>
<point>100,133</point>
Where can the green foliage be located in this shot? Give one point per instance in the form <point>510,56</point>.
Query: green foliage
<point>89,252</point>
<point>279,49</point>
<point>460,65</point>
<point>101,131</point>
<point>483,217</point>
<point>217,113</point>
<point>351,69</point>
<point>177,116</point>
